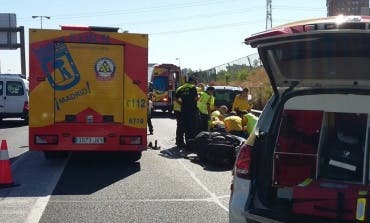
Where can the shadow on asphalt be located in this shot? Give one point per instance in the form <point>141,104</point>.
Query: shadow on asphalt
<point>213,167</point>
<point>12,123</point>
<point>175,153</point>
<point>160,114</point>
<point>86,173</point>
<point>15,158</point>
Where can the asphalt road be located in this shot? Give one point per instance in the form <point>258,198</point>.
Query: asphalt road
<point>166,185</point>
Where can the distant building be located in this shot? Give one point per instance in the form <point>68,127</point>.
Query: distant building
<point>347,7</point>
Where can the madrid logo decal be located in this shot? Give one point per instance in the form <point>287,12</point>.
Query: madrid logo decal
<point>105,68</point>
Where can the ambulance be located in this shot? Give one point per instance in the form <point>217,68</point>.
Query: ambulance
<point>165,79</point>
<point>88,90</point>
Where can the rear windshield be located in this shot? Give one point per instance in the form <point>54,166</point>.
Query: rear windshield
<point>339,56</point>
<point>14,88</point>
<point>225,96</point>
<point>160,83</point>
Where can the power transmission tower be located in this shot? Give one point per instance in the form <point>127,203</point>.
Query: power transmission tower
<point>268,14</point>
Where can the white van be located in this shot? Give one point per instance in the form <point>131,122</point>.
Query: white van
<point>13,96</point>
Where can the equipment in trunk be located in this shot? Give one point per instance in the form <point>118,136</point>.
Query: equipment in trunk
<point>343,152</point>
<point>331,200</point>
<point>296,149</point>
<point>318,164</point>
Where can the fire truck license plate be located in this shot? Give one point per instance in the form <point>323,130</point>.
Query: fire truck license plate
<point>89,140</point>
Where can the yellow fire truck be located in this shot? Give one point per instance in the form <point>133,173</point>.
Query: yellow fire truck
<point>88,90</point>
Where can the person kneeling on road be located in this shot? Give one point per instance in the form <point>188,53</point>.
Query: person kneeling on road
<point>234,125</point>
<point>249,122</point>
<point>217,119</point>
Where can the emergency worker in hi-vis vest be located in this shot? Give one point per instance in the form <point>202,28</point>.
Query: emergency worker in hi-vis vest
<point>204,105</point>
<point>187,97</point>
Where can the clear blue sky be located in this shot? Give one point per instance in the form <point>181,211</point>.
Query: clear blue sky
<point>202,33</point>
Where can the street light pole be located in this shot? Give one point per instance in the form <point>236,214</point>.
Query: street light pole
<point>41,17</point>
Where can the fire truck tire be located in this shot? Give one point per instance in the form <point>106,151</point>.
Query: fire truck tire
<point>26,120</point>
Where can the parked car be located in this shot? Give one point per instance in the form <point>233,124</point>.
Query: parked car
<point>13,96</point>
<point>224,95</point>
<point>308,158</point>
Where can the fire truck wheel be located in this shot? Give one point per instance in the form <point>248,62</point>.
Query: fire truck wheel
<point>26,120</point>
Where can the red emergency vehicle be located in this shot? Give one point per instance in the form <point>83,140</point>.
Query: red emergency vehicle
<point>88,90</point>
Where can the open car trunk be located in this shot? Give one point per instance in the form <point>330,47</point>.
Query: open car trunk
<point>319,164</point>
<point>314,162</point>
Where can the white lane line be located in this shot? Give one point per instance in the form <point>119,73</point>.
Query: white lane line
<point>39,206</point>
<point>223,196</point>
<point>135,200</point>
<point>37,210</point>
<point>140,200</point>
<point>214,198</point>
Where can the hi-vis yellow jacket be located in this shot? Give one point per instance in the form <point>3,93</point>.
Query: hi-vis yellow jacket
<point>204,102</point>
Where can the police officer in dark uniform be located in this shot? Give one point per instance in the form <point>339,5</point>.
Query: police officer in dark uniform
<point>187,96</point>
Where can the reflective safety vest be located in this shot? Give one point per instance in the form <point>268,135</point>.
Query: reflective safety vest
<point>203,102</point>
<point>212,105</point>
<point>251,122</point>
<point>176,106</point>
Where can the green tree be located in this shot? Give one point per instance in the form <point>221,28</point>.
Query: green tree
<point>243,74</point>
<point>221,75</point>
<point>227,78</point>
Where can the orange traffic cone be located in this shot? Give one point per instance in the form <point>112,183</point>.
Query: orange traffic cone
<point>6,178</point>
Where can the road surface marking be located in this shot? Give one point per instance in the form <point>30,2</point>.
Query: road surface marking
<point>137,200</point>
<point>213,196</point>
<point>39,206</point>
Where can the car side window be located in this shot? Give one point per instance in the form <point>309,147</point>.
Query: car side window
<point>14,88</point>
<point>1,88</point>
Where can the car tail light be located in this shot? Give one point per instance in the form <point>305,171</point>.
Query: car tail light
<point>130,140</point>
<point>25,106</point>
<point>46,139</point>
<point>243,162</point>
